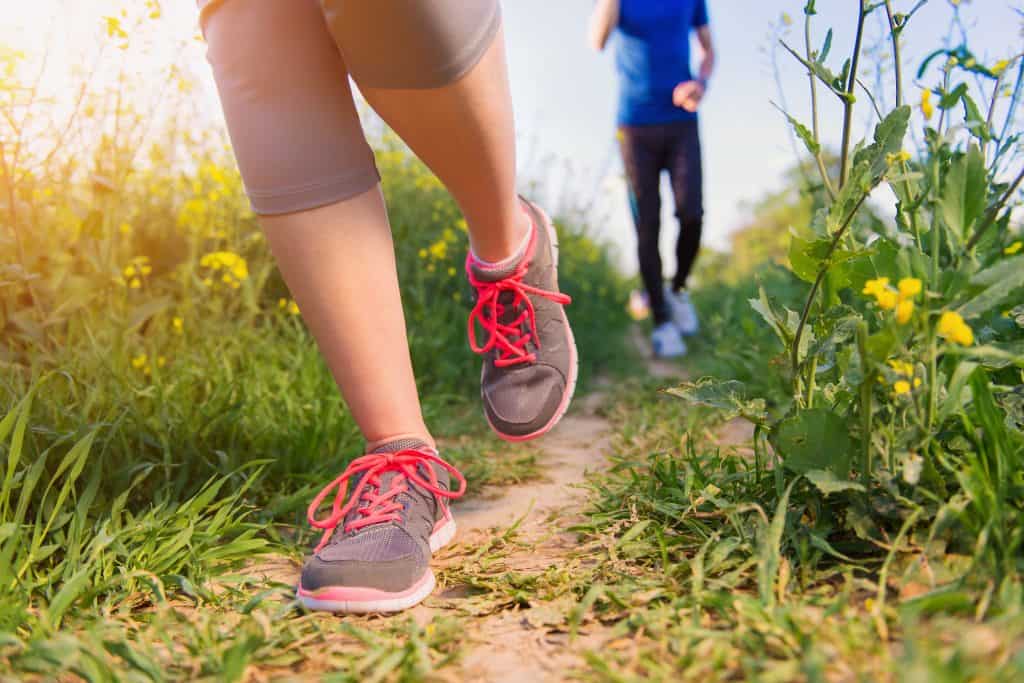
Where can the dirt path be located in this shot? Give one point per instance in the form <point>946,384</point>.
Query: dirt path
<point>530,643</point>
<point>515,644</point>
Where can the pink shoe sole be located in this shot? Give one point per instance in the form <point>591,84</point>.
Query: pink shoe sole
<point>360,600</point>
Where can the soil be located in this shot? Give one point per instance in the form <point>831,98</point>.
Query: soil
<point>528,644</point>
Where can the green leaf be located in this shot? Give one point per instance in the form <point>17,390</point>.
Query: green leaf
<point>828,483</point>
<point>726,395</point>
<point>806,257</point>
<point>633,532</point>
<point>966,190</point>
<point>144,312</point>
<point>805,135</point>
<point>764,308</point>
<point>870,164</point>
<point>1005,268</point>
<point>815,439</point>
<point>837,325</point>
<point>879,260</point>
<point>67,594</point>
<point>975,122</point>
<point>950,98</point>
<point>826,47</point>
<point>994,294</point>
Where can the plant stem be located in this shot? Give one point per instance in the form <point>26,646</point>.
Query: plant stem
<point>865,402</point>
<point>990,217</point>
<point>898,69</point>
<point>936,226</point>
<point>815,126</point>
<point>848,101</point>
<point>795,353</point>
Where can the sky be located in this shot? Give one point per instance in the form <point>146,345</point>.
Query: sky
<point>564,93</point>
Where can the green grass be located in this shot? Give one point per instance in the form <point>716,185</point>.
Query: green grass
<point>705,572</point>
<point>165,419</point>
<point>159,438</point>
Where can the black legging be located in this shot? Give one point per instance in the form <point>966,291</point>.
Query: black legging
<point>646,152</point>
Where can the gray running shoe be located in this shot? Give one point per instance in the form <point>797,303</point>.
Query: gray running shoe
<point>375,552</point>
<point>682,311</point>
<point>530,361</point>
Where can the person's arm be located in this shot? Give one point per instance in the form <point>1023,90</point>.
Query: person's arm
<point>689,94</point>
<point>603,21</point>
<point>707,54</point>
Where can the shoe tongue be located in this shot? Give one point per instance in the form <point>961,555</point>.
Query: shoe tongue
<point>410,444</point>
<point>491,273</point>
<point>402,445</point>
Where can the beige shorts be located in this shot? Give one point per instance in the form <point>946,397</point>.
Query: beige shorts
<point>282,69</point>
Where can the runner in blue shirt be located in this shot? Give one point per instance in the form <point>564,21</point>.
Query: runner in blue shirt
<point>658,131</point>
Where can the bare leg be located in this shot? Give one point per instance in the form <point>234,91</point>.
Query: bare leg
<point>339,263</point>
<point>465,133</point>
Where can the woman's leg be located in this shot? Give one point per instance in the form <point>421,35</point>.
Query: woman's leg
<point>309,172</point>
<point>442,85</point>
<point>339,263</point>
<point>463,129</point>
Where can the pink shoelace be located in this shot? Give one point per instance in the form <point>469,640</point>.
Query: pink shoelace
<point>376,506</point>
<point>509,339</point>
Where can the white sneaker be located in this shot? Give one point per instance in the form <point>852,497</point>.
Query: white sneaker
<point>684,315</point>
<point>667,342</point>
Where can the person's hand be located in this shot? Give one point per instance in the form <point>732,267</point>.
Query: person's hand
<point>688,95</point>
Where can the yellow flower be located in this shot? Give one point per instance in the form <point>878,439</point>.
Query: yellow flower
<point>282,302</point>
<point>999,67</point>
<point>135,283</point>
<point>901,367</point>
<point>293,308</point>
<point>901,387</point>
<point>208,282</point>
<point>886,299</point>
<point>423,253</point>
<point>161,361</point>
<point>178,324</point>
<point>873,287</point>
<point>451,271</point>
<point>904,310</point>
<point>917,382</point>
<point>899,157</point>
<point>145,270</point>
<point>439,249</point>
<point>909,287</point>
<point>129,271</point>
<point>228,261</point>
<point>1013,248</point>
<point>125,229</point>
<point>139,361</point>
<point>953,328</point>
<point>927,108</point>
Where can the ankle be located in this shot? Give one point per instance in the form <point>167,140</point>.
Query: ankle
<point>418,435</point>
<point>512,250</point>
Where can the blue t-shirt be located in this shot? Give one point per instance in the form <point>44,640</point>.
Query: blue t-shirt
<point>652,56</point>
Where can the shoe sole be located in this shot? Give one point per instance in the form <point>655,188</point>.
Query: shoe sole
<point>359,600</point>
<point>573,359</point>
